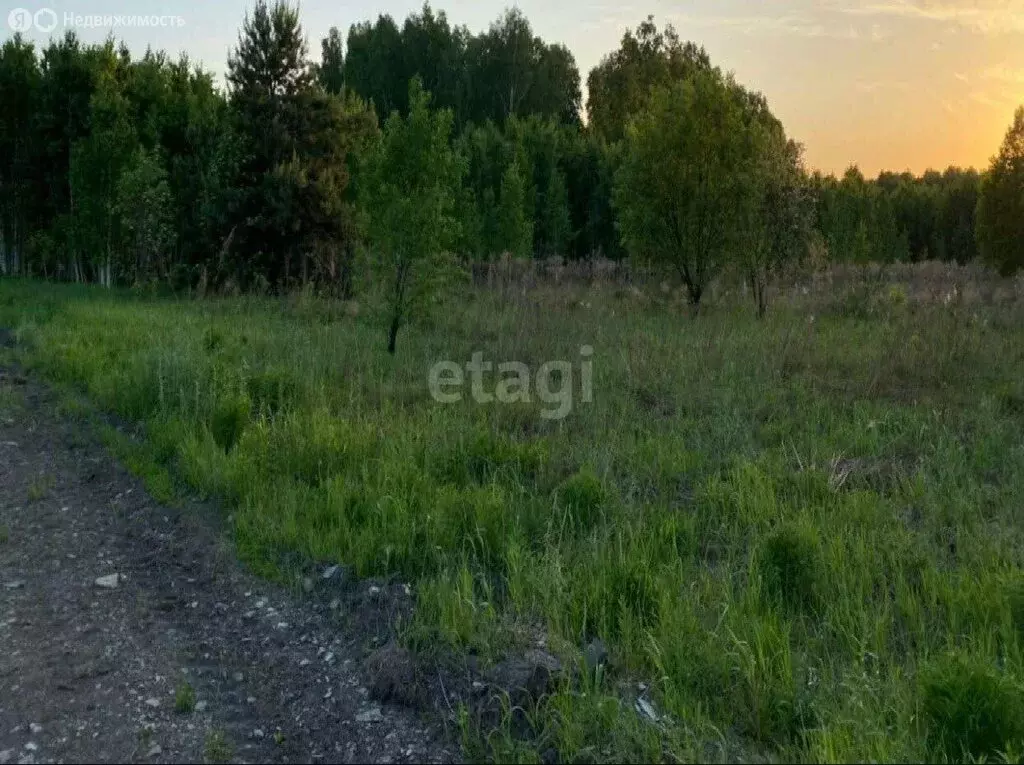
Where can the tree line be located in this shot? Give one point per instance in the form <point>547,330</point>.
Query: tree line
<point>899,217</point>
<point>122,170</point>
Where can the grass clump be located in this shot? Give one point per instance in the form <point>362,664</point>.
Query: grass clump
<point>972,710</point>
<point>582,497</point>
<point>229,420</point>
<point>39,488</point>
<point>216,748</point>
<point>789,563</point>
<point>184,699</point>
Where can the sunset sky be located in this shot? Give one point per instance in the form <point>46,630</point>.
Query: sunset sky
<point>885,84</point>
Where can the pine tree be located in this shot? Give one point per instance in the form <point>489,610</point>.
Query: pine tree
<point>271,83</point>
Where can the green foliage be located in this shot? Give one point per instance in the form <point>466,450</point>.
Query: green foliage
<point>898,218</point>
<point>410,187</point>
<point>517,192</point>
<point>554,222</point>
<point>502,72</point>
<point>20,195</point>
<point>777,219</point>
<point>1001,206</point>
<point>97,161</point>
<point>648,59</point>
<point>292,181</point>
<point>145,207</point>
<point>523,74</point>
<point>331,71</point>
<point>514,227</point>
<point>972,710</point>
<point>133,171</point>
<point>684,177</point>
<point>110,143</point>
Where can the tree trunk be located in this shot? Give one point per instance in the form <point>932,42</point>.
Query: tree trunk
<point>759,287</point>
<point>398,307</point>
<point>3,250</point>
<point>345,278</point>
<point>696,293</point>
<point>393,333</point>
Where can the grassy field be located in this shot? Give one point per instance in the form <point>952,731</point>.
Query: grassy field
<point>799,539</point>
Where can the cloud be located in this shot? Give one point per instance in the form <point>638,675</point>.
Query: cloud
<point>1005,74</point>
<point>791,24</point>
<point>874,87</point>
<point>984,16</point>
<point>992,99</point>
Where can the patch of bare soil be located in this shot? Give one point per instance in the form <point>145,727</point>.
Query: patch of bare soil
<point>128,631</point>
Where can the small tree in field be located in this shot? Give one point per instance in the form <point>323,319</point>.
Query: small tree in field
<point>683,177</point>
<point>777,222</point>
<point>1001,205</point>
<point>409,189</point>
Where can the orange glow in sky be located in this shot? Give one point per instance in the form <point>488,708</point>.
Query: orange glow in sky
<point>884,84</point>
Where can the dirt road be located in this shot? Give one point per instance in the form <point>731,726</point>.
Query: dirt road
<point>112,607</point>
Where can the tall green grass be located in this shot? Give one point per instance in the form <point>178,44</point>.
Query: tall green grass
<point>802,535</point>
